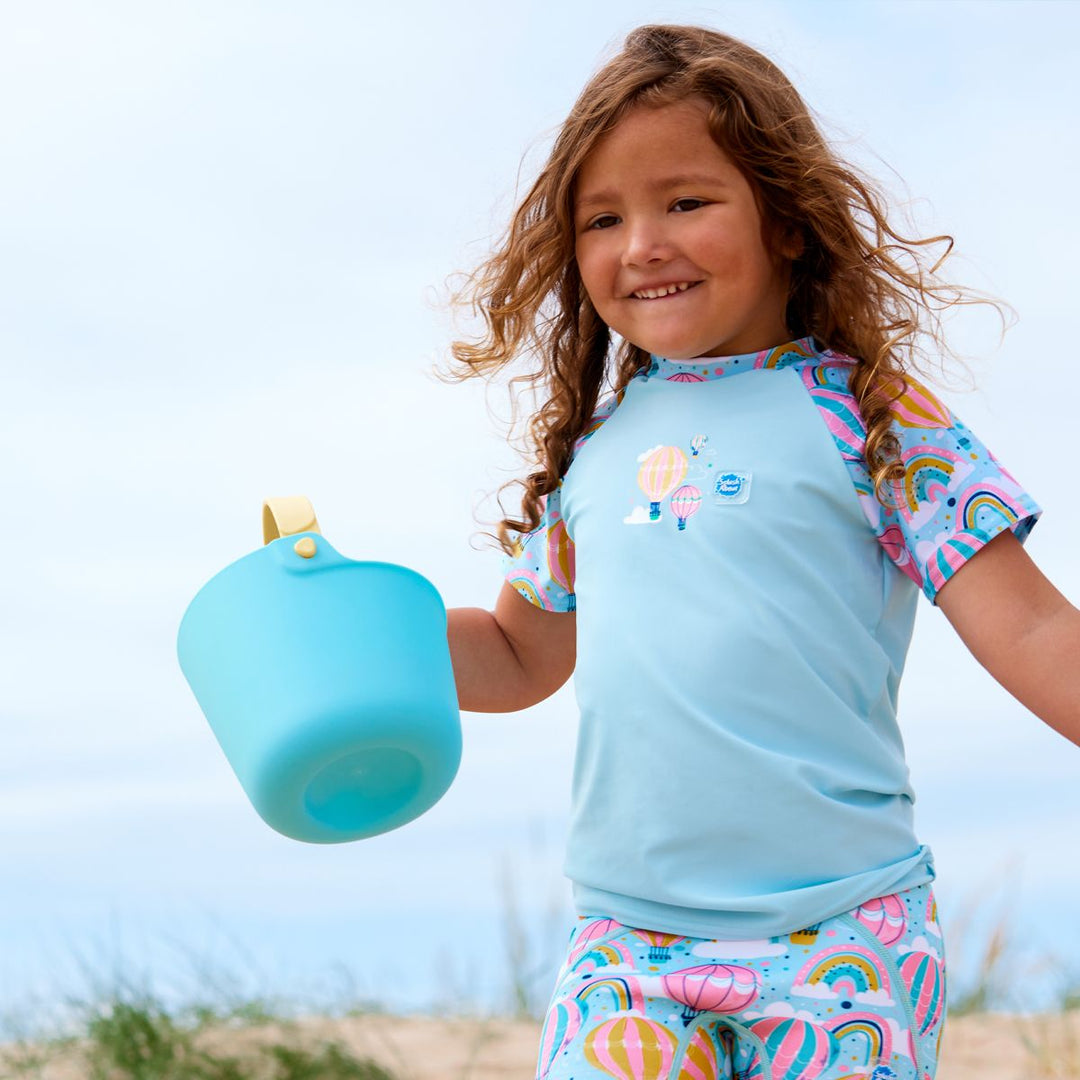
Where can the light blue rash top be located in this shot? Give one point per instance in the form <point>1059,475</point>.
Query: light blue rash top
<point>744,607</point>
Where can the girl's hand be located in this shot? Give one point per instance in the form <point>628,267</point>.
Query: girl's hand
<point>1021,629</point>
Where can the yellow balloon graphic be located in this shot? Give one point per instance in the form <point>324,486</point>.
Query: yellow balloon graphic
<point>660,473</point>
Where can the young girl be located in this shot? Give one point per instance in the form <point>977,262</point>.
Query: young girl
<point>739,491</point>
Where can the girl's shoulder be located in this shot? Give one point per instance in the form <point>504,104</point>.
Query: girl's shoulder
<point>828,378</point>
<point>604,410</point>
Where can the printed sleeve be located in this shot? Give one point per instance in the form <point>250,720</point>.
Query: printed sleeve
<point>954,498</point>
<point>542,567</point>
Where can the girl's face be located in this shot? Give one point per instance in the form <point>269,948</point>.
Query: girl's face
<point>669,240</point>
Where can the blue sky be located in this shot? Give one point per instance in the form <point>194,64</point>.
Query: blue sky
<point>226,235</point>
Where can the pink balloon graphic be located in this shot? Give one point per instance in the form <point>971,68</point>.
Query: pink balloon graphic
<point>797,1049</point>
<point>562,1024</point>
<point>884,917</point>
<point>719,988</point>
<point>923,977</point>
<point>685,503</point>
<point>892,540</point>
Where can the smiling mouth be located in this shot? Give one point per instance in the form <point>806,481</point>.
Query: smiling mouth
<point>664,290</point>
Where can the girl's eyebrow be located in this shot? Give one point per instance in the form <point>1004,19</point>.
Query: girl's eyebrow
<point>682,180</point>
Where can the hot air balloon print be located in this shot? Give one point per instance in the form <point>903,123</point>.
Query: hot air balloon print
<point>631,1048</point>
<point>884,917</point>
<point>661,473</point>
<point>922,975</point>
<point>840,412</point>
<point>892,540</point>
<point>560,556</point>
<point>592,932</point>
<point>918,408</point>
<point>797,1049</point>
<point>562,1024</point>
<point>718,988</point>
<point>697,444</point>
<point>686,376</point>
<point>659,944</point>
<point>700,1057</point>
<point>685,502</point>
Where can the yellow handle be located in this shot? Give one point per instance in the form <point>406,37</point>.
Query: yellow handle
<point>287,516</point>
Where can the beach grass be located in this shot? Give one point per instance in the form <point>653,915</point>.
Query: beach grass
<point>122,1039</point>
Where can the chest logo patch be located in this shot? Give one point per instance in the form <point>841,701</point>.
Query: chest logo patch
<point>732,487</point>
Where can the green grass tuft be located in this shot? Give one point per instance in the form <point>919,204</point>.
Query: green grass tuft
<point>124,1039</point>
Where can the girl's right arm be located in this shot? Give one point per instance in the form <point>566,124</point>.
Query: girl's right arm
<point>512,657</point>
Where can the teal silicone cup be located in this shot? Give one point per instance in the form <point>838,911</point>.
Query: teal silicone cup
<point>329,686</point>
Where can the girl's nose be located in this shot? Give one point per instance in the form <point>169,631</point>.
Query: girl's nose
<point>646,242</point>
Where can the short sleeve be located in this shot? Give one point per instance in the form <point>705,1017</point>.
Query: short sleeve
<point>542,567</point>
<point>953,499</point>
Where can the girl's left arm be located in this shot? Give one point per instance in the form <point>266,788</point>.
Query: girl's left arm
<point>1021,629</point>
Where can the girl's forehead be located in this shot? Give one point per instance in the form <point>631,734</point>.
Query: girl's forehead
<point>650,144</point>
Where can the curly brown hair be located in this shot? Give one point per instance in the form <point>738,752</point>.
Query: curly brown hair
<point>858,286</point>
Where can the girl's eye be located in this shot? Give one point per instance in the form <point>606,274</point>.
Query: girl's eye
<point>683,205</point>
<point>604,221</point>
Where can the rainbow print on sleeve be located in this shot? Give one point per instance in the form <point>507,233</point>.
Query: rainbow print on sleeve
<point>954,497</point>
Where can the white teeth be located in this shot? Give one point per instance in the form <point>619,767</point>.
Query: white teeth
<point>667,290</point>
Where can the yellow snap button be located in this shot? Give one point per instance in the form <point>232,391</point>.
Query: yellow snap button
<point>304,547</point>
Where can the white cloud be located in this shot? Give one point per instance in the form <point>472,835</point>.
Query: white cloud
<point>640,516</point>
<point>874,997</point>
<point>814,990</point>
<point>920,944</point>
<point>780,1008</point>
<point>739,950</point>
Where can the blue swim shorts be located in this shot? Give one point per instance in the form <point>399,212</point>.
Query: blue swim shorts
<point>860,996</point>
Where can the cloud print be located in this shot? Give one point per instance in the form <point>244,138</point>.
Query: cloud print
<point>920,944</point>
<point>814,990</point>
<point>738,950</point>
<point>874,997</point>
<point>640,516</point>
<point>779,1008</point>
<point>651,450</point>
